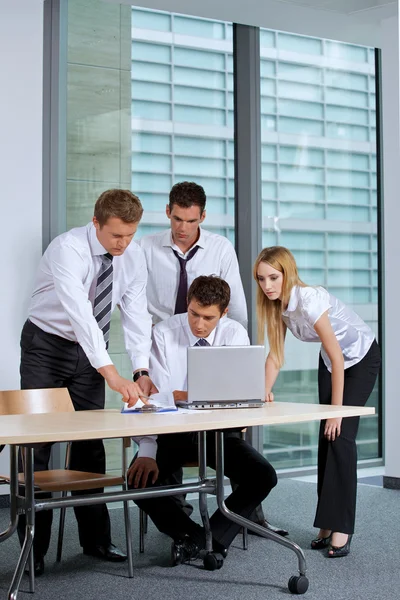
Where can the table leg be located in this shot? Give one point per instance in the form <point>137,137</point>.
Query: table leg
<point>27,547</point>
<point>298,583</point>
<point>202,495</point>
<point>4,535</point>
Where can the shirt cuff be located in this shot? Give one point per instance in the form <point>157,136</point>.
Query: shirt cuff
<point>140,362</point>
<point>147,446</point>
<point>99,359</point>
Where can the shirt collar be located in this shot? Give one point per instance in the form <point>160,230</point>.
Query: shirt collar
<point>194,339</point>
<point>168,242</point>
<point>95,247</point>
<point>293,300</point>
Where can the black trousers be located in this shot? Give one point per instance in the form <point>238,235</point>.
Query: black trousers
<point>51,361</point>
<point>254,476</point>
<point>337,461</point>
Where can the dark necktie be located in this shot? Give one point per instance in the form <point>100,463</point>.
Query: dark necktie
<point>181,297</point>
<point>202,342</point>
<point>103,296</point>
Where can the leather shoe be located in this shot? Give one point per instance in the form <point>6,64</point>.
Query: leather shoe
<point>337,551</point>
<point>38,567</point>
<point>271,527</point>
<point>184,550</point>
<point>110,552</point>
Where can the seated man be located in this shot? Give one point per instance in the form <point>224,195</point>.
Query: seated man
<point>205,322</point>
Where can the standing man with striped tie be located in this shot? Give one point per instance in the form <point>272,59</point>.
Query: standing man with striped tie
<point>82,276</point>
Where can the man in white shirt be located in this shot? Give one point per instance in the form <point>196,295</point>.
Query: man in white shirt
<point>205,323</point>
<point>186,251</point>
<point>82,276</point>
<point>175,258</point>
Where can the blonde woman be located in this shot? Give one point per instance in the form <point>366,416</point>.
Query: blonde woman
<point>349,363</point>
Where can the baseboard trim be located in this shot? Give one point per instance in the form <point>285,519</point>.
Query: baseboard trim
<point>391,483</point>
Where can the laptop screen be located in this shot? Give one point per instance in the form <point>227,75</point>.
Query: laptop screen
<point>226,373</point>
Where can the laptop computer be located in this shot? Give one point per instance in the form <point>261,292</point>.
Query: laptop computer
<point>225,377</point>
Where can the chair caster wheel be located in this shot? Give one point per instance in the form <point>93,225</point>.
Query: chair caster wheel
<point>213,561</point>
<point>298,584</point>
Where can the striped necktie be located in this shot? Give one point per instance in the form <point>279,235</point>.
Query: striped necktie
<point>202,342</point>
<point>103,296</point>
<point>181,297</point>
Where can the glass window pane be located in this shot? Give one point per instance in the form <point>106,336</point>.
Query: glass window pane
<point>267,38</point>
<point>300,126</point>
<point>301,155</point>
<point>346,97</point>
<point>294,108</point>
<point>151,162</point>
<point>151,142</point>
<point>322,206</point>
<point>299,43</point>
<point>151,110</point>
<point>143,19</point>
<point>301,91</point>
<point>186,95</point>
<point>346,51</point>
<point>199,59</point>
<point>192,146</point>
<point>198,77</point>
<point>199,27</point>
<point>203,116</point>
<point>151,91</point>
<point>151,52</point>
<point>300,73</point>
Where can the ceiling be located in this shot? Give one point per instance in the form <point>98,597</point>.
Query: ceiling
<point>346,7</point>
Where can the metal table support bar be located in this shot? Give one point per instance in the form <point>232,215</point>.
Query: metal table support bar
<point>206,487</point>
<point>4,535</point>
<point>219,459</point>
<point>27,547</point>
<point>203,495</point>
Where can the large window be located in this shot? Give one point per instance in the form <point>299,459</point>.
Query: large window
<point>150,103</point>
<point>182,114</point>
<point>319,199</point>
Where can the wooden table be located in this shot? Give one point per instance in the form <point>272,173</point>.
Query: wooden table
<point>17,430</point>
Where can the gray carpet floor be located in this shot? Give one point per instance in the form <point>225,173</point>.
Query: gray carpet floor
<point>370,572</point>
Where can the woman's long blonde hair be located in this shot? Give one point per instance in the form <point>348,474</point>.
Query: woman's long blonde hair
<point>269,312</point>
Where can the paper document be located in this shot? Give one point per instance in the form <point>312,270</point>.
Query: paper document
<point>160,402</point>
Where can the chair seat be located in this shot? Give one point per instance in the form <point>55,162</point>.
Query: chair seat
<point>60,480</point>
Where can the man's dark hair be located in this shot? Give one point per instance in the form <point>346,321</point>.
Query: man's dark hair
<point>209,290</point>
<point>186,194</point>
<point>121,204</point>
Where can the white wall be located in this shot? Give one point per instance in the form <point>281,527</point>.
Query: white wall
<point>391,136</point>
<point>21,58</point>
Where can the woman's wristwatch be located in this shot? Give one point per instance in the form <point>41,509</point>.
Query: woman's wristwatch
<point>141,373</point>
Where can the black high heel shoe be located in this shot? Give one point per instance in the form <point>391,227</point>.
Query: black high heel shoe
<point>337,551</point>
<point>321,543</point>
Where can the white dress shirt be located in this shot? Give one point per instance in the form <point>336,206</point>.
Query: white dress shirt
<point>216,256</point>
<point>62,301</point>
<point>168,357</point>
<point>307,304</point>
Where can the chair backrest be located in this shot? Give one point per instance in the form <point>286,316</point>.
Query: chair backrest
<point>22,402</point>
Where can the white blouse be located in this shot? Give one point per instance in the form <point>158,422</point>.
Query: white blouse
<point>307,305</point>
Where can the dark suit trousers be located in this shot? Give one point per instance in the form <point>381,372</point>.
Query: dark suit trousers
<point>51,361</point>
<point>254,476</point>
<point>337,461</point>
